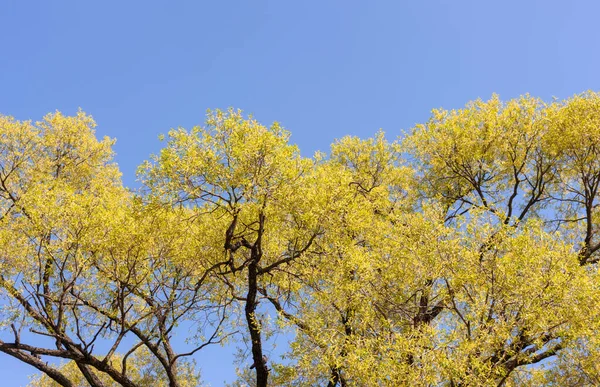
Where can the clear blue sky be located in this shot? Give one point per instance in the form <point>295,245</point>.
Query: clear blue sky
<point>323,69</point>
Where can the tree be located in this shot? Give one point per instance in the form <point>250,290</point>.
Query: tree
<point>85,266</point>
<point>463,254</point>
<point>529,170</point>
<point>250,190</point>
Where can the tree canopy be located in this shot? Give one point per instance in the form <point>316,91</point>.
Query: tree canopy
<point>463,253</point>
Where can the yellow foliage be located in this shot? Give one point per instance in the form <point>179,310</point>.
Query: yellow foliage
<point>463,254</point>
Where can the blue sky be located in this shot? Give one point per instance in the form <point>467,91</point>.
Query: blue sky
<point>323,69</point>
